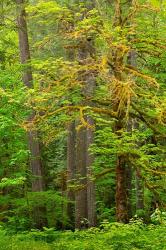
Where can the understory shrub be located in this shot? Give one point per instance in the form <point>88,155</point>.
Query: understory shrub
<point>114,236</point>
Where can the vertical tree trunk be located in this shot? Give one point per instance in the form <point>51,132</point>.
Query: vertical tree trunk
<point>85,198</point>
<point>129,189</point>
<point>91,192</point>
<point>88,134</point>
<point>121,187</point>
<point>121,191</point>
<point>35,161</point>
<point>71,169</point>
<point>129,171</point>
<point>81,175</point>
<point>24,43</point>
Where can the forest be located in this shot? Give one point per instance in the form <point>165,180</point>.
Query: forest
<point>82,124</point>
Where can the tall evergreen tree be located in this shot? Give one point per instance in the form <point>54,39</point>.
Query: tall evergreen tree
<point>25,57</point>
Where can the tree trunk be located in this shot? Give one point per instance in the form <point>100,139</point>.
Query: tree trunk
<point>85,196</point>
<point>35,161</point>
<point>129,190</point>
<point>88,158</point>
<point>128,164</point>
<point>121,191</point>
<point>91,193</point>
<point>81,218</point>
<point>71,169</point>
<point>24,43</point>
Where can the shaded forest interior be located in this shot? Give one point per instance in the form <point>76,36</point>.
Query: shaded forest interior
<point>82,114</point>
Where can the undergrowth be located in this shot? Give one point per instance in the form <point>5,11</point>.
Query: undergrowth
<point>114,236</point>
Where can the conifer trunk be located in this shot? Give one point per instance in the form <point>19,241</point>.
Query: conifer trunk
<point>81,175</point>
<point>35,160</point>
<point>121,194</point>
<point>71,169</point>
<point>84,160</point>
<point>129,189</point>
<point>91,192</point>
<point>85,198</point>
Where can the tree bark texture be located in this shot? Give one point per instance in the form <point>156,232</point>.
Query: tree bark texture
<point>85,198</point>
<point>71,169</point>
<point>126,208</point>
<point>81,175</point>
<point>129,189</point>
<point>91,192</point>
<point>121,191</point>
<point>35,160</point>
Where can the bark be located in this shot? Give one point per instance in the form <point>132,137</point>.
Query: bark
<point>85,199</point>
<point>129,190</point>
<point>71,157</point>
<point>129,170</point>
<point>71,168</point>
<point>24,43</point>
<point>35,161</point>
<point>91,192</point>
<point>123,178</point>
<point>121,191</point>
<point>81,218</point>
<point>86,136</point>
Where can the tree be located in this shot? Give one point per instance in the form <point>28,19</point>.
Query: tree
<point>33,141</point>
<point>97,100</point>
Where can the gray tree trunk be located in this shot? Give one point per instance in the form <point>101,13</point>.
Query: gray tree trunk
<point>81,176</point>
<point>91,192</point>
<point>71,169</point>
<point>87,157</point>
<point>85,194</point>
<point>35,160</point>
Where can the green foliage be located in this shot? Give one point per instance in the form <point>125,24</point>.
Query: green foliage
<point>8,182</point>
<point>110,237</point>
<point>158,217</point>
<point>35,210</point>
<point>133,95</point>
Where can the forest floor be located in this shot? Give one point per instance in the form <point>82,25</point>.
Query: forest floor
<point>110,237</point>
